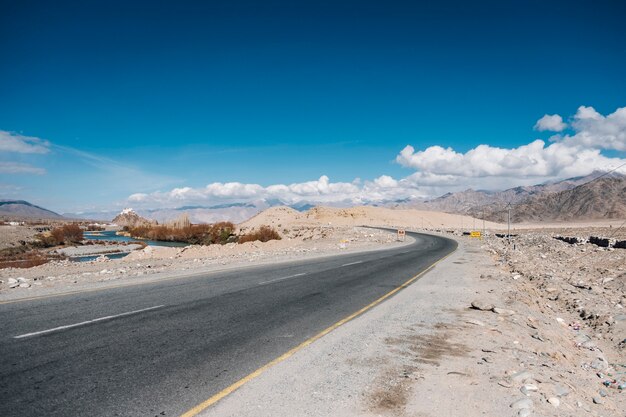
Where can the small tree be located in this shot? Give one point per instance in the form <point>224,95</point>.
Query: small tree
<point>72,233</point>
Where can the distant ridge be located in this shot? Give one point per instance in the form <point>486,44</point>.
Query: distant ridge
<point>21,208</point>
<point>535,202</point>
<point>601,199</point>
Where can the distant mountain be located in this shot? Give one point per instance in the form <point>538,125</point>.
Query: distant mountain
<point>491,205</point>
<point>128,217</point>
<point>476,203</point>
<point>234,212</point>
<point>604,198</point>
<point>21,208</point>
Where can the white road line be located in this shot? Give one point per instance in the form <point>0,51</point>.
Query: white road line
<point>82,323</point>
<point>281,279</point>
<point>353,263</point>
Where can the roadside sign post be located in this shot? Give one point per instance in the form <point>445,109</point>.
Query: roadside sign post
<point>401,234</point>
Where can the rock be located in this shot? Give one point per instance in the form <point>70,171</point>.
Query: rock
<point>589,345</point>
<point>504,384</point>
<point>561,390</point>
<point>24,285</point>
<point>603,393</point>
<point>528,388</point>
<point>521,404</point>
<point>524,412</point>
<point>521,376</point>
<point>599,364</point>
<point>14,285</point>
<point>537,336</point>
<point>503,311</point>
<point>22,279</point>
<point>481,305</point>
<point>597,400</point>
<point>554,401</point>
<point>12,281</point>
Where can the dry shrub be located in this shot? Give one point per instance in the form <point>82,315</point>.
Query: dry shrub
<point>196,234</point>
<point>65,235</point>
<point>263,234</point>
<point>24,257</point>
<point>72,233</point>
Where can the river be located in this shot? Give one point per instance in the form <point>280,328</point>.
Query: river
<point>111,236</point>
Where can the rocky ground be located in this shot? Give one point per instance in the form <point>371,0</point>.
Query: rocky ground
<point>489,331</point>
<point>11,236</point>
<point>535,328</point>
<point>298,243</point>
<point>568,302</point>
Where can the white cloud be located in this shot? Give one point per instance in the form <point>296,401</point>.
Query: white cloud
<point>13,142</point>
<point>20,168</point>
<point>439,170</point>
<point>549,122</point>
<point>566,156</point>
<point>596,131</point>
<point>322,190</point>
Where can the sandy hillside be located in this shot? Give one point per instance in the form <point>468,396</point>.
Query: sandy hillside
<point>285,217</point>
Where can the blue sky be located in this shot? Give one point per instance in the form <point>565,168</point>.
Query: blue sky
<point>142,98</point>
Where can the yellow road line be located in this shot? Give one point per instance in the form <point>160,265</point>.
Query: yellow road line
<point>230,389</point>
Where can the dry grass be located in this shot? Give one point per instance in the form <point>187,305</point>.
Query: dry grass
<point>196,234</point>
<point>263,234</point>
<point>24,257</point>
<point>63,235</point>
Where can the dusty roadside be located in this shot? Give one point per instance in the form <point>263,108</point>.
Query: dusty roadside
<point>473,337</point>
<point>157,263</point>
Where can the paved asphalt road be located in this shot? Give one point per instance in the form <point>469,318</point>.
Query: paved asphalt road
<point>192,336</point>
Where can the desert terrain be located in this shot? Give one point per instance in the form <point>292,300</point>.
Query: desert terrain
<point>534,327</point>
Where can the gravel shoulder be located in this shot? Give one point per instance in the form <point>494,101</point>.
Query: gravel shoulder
<point>472,337</point>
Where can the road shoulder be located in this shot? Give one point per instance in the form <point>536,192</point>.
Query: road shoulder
<point>465,340</point>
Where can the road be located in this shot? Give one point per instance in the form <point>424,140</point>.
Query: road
<point>161,348</point>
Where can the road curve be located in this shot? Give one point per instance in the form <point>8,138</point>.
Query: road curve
<point>161,348</point>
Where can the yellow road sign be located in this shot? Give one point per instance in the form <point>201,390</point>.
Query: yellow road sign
<point>475,234</point>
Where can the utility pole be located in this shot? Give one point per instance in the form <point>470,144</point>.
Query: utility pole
<point>483,222</point>
<point>509,225</point>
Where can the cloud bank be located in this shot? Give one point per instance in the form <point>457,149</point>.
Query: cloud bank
<point>578,153</point>
<point>13,142</point>
<point>20,168</point>
<point>321,190</point>
<point>437,169</point>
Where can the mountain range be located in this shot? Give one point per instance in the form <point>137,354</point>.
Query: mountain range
<point>23,209</point>
<point>595,196</point>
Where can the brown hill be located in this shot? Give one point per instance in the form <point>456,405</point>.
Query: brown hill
<point>20,209</point>
<point>604,198</point>
<point>281,217</point>
<point>128,217</point>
